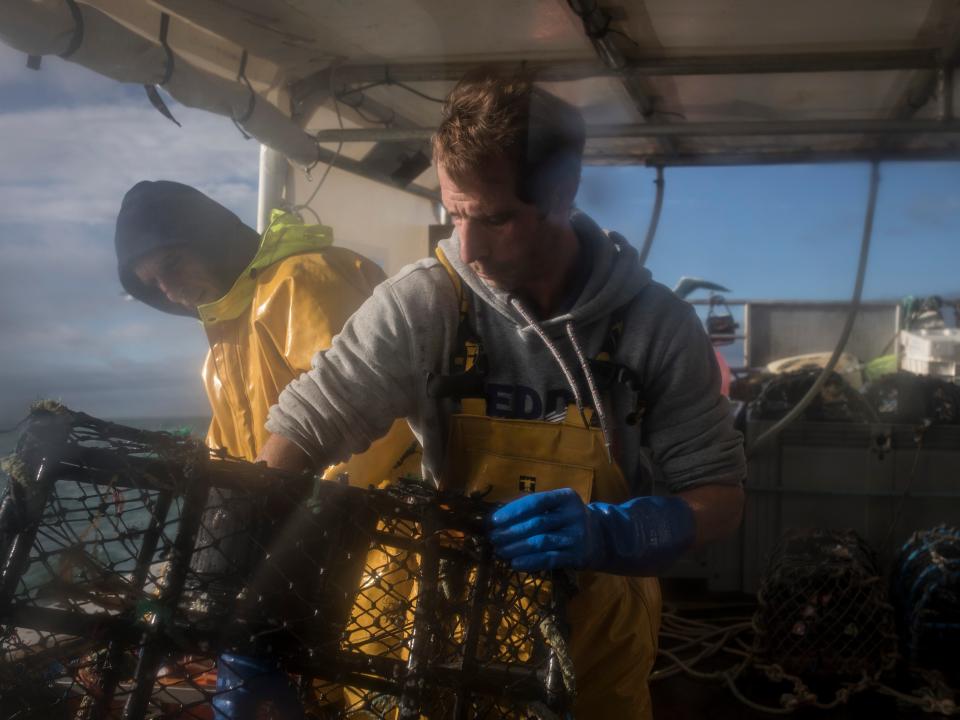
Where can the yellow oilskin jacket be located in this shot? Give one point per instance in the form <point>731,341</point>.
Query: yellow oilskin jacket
<point>289,302</point>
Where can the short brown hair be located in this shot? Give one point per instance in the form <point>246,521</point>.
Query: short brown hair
<point>489,114</point>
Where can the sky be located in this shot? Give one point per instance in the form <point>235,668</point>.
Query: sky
<point>72,143</point>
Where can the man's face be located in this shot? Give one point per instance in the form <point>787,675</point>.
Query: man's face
<point>179,274</point>
<point>505,240</point>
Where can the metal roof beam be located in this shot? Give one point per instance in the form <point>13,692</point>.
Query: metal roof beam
<point>785,157</point>
<point>365,107</point>
<point>925,84</point>
<point>596,23</point>
<point>579,69</point>
<point>347,164</point>
<point>928,83</point>
<point>684,129</point>
<point>803,62</point>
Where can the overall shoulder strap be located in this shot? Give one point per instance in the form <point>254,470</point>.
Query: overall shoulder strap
<point>467,349</point>
<point>611,341</point>
<point>467,361</point>
<point>608,372</point>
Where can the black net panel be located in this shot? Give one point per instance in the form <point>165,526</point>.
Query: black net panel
<point>926,593</point>
<point>822,609</point>
<point>836,402</point>
<point>139,572</point>
<point>911,399</point>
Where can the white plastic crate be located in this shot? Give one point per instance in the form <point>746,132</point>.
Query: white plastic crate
<point>925,366</point>
<point>941,345</point>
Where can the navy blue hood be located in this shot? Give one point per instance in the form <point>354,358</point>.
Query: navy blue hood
<point>165,214</point>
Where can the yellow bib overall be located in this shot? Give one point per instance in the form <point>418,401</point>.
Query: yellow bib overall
<point>614,620</point>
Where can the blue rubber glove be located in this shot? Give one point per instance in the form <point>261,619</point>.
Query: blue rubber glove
<point>555,529</point>
<point>247,685</point>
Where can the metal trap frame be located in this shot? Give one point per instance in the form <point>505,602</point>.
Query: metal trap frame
<point>925,586</point>
<point>133,560</point>
<point>822,608</point>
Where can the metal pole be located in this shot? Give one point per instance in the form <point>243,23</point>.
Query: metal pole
<point>596,23</point>
<point>898,326</point>
<point>112,673</point>
<point>747,355</point>
<point>686,129</point>
<point>790,157</point>
<point>272,183</point>
<point>348,164</point>
<point>421,644</point>
<point>569,69</point>
<point>154,642</point>
<point>474,626</point>
<point>945,92</point>
<point>17,560</point>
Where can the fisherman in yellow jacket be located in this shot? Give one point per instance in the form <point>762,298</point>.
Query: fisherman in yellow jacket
<point>268,303</point>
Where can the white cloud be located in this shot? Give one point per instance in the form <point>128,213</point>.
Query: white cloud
<point>168,388</point>
<point>12,65</point>
<point>75,165</point>
<point>57,79</point>
<point>68,332</point>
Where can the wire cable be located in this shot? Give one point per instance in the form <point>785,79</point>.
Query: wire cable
<point>920,432</point>
<point>409,89</point>
<point>360,88</point>
<point>821,380</point>
<point>336,154</point>
<point>654,218</point>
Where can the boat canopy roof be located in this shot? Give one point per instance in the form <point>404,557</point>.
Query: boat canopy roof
<point>660,82</point>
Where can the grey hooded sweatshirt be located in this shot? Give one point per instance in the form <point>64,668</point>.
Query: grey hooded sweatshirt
<point>378,367</point>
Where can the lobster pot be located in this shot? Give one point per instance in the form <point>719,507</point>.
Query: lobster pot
<point>823,611</point>
<point>911,399</point>
<point>925,586</point>
<point>132,560</point>
<point>837,401</point>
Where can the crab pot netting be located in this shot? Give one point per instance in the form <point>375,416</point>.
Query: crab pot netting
<point>132,560</point>
<point>836,402</point>
<point>926,592</point>
<point>822,608</point>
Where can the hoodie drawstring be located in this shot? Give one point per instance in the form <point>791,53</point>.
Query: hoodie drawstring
<point>568,374</point>
<point>555,351</point>
<point>594,391</point>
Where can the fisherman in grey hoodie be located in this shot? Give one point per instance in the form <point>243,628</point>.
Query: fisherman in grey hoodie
<point>536,360</point>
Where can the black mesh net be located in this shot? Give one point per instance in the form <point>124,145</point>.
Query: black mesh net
<point>912,399</point>
<point>925,586</point>
<point>822,609</point>
<point>143,577</point>
<point>836,402</point>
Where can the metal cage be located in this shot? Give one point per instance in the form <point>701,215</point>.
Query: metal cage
<point>823,610</point>
<point>925,586</point>
<point>133,560</point>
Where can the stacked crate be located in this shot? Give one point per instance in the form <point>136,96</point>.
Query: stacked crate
<point>931,352</point>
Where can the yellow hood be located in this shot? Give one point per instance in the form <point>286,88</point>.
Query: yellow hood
<point>286,235</point>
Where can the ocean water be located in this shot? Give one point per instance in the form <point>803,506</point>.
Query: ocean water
<point>97,522</point>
